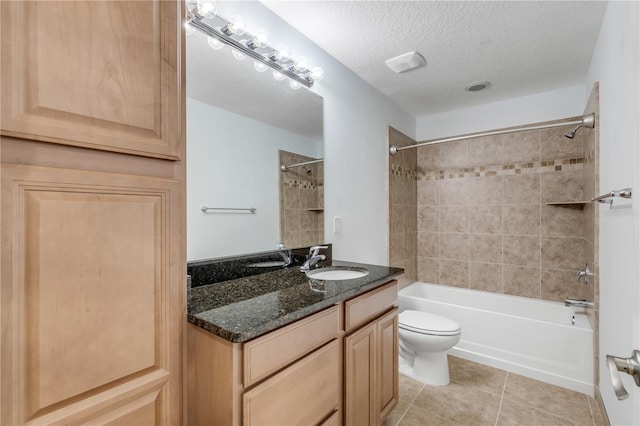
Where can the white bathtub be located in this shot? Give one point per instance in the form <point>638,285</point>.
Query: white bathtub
<point>546,341</point>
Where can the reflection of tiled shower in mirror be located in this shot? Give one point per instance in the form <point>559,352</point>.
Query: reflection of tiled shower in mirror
<point>301,187</point>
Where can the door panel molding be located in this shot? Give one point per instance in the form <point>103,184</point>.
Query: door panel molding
<point>100,75</point>
<point>87,286</point>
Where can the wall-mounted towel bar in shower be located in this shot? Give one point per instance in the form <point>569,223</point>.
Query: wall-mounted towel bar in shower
<point>250,209</point>
<point>608,197</point>
<point>306,163</point>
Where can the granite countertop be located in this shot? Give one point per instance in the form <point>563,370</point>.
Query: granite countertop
<point>241,309</point>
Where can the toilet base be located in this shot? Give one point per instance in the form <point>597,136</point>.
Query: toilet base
<point>431,368</point>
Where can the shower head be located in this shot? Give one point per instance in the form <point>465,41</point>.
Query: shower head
<point>306,169</point>
<point>587,121</point>
<point>572,133</point>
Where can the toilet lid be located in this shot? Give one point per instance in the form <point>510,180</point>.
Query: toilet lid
<point>427,323</point>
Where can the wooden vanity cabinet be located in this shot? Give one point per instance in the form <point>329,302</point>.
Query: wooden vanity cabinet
<point>290,376</point>
<point>371,356</point>
<point>305,393</point>
<point>341,360</point>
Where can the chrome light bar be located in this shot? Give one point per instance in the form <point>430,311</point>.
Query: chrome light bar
<point>249,46</point>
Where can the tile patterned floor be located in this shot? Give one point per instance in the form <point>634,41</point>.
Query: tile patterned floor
<point>482,395</point>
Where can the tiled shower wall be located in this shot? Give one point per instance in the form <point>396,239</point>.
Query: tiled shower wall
<point>591,188</point>
<point>506,214</point>
<point>497,213</point>
<point>402,208</point>
<point>501,213</point>
<point>301,202</point>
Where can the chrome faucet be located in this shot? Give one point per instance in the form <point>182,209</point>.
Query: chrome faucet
<point>287,257</point>
<point>578,303</point>
<point>313,258</point>
<point>586,274</point>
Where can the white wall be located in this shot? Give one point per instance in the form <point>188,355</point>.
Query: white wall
<point>356,117</point>
<point>546,106</point>
<point>233,162</point>
<point>615,64</point>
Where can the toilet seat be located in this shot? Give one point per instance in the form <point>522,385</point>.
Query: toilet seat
<point>427,323</point>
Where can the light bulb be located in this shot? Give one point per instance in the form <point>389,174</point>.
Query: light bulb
<point>239,27</point>
<point>317,74</point>
<point>300,63</point>
<point>258,40</point>
<point>202,8</point>
<point>188,29</point>
<point>294,85</point>
<point>278,75</point>
<point>235,26</point>
<point>259,66</point>
<point>238,55</point>
<point>215,43</point>
<point>280,54</point>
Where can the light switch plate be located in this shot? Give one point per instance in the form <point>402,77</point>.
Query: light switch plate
<point>337,225</point>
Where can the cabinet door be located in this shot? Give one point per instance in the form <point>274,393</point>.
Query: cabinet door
<point>388,363</point>
<point>91,294</point>
<point>360,351</point>
<point>98,74</point>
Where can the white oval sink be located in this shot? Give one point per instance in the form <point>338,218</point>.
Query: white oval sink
<point>337,273</point>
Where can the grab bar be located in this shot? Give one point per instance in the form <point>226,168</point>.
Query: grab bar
<point>608,198</point>
<point>250,209</point>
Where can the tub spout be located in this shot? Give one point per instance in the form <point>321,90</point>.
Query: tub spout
<point>578,303</point>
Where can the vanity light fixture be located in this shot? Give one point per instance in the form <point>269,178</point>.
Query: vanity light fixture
<point>202,16</point>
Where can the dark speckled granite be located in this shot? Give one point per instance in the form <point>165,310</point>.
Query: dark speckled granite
<point>244,308</point>
<point>209,271</point>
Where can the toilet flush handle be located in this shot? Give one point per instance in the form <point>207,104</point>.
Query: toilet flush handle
<point>629,365</point>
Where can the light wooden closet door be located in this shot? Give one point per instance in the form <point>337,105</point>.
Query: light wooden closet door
<point>97,74</point>
<point>91,298</point>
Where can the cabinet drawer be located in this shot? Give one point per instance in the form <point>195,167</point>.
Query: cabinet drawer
<point>366,307</point>
<point>303,394</point>
<point>267,354</point>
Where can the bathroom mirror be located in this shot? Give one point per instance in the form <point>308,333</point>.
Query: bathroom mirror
<point>241,124</point>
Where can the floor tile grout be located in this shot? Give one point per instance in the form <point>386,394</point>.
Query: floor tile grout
<point>410,404</point>
<point>504,388</point>
<point>507,402</point>
<point>593,418</point>
<point>573,421</point>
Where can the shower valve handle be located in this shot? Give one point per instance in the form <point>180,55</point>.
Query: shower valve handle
<point>629,365</point>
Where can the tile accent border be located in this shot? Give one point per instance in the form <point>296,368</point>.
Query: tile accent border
<point>295,183</point>
<point>547,166</point>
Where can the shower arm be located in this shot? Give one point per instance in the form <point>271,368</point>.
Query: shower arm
<point>586,121</point>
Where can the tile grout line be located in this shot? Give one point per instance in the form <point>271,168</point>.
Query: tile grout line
<point>504,388</point>
<point>593,419</point>
<point>502,241</point>
<point>540,218</point>
<point>410,405</point>
<point>551,413</point>
<point>469,247</point>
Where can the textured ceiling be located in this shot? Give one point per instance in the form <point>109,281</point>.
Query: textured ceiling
<point>521,47</point>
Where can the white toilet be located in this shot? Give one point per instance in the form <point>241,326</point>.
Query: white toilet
<point>424,341</point>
